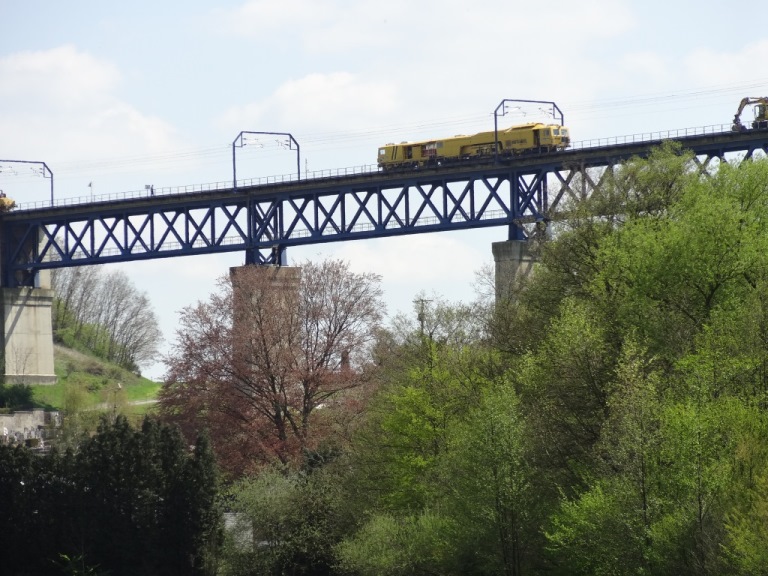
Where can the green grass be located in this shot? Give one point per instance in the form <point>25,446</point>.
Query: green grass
<point>143,390</point>
<point>49,396</point>
<point>97,385</point>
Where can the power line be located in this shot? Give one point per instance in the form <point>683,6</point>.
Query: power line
<point>331,140</point>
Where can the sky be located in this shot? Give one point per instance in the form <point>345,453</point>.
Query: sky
<point>116,96</point>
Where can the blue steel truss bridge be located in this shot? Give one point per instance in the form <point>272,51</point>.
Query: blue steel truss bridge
<point>264,220</point>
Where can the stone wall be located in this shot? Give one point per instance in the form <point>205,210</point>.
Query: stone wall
<point>18,427</point>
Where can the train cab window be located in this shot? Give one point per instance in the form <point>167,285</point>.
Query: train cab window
<point>556,131</point>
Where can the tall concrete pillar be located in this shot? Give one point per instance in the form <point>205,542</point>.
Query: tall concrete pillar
<point>27,336</point>
<point>514,262</point>
<point>283,277</point>
<point>265,295</point>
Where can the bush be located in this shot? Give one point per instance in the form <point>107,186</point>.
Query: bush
<point>95,369</point>
<point>16,397</point>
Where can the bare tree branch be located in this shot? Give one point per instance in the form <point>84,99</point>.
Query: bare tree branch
<point>256,361</point>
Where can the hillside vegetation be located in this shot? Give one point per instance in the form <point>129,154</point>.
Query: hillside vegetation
<point>104,314</point>
<point>104,329</point>
<point>86,383</point>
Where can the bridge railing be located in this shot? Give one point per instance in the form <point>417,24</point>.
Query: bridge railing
<point>349,171</point>
<point>650,136</point>
<point>125,195</point>
<point>195,188</point>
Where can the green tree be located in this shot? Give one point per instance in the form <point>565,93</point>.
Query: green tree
<point>126,502</point>
<point>399,450</point>
<point>687,282</point>
<point>640,189</point>
<point>490,497</point>
<point>409,481</point>
<point>747,529</point>
<point>605,529</point>
<point>402,545</point>
<point>156,498</point>
<point>284,522</point>
<point>18,468</point>
<point>658,501</point>
<point>564,387</point>
<point>665,276</point>
<point>15,397</point>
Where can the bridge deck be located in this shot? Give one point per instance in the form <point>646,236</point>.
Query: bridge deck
<point>263,220</point>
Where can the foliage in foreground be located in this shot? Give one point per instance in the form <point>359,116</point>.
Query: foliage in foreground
<point>15,397</point>
<point>630,436</point>
<point>612,420</point>
<point>127,501</point>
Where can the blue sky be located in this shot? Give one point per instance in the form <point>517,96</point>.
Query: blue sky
<point>128,94</point>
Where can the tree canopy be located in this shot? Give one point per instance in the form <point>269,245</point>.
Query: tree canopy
<point>620,424</point>
<point>104,313</point>
<point>608,418</point>
<point>268,361</point>
<point>125,502</point>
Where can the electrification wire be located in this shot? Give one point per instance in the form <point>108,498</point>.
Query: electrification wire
<point>709,92</point>
<point>343,139</point>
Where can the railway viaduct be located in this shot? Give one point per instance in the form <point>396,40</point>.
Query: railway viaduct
<point>264,219</point>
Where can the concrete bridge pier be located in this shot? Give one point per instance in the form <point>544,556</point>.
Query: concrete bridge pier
<point>27,337</point>
<point>514,262</point>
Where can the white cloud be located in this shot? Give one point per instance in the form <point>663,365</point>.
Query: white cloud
<point>651,66</point>
<point>334,101</point>
<point>413,62</point>
<point>63,104</point>
<point>62,79</point>
<point>486,30</point>
<point>704,64</point>
<point>255,17</point>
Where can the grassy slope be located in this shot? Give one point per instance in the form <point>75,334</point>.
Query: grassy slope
<point>98,383</point>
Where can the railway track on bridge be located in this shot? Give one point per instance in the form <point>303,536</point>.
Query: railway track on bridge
<point>263,219</point>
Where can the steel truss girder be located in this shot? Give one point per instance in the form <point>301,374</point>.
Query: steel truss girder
<point>264,221</point>
<point>264,225</point>
<point>575,183</point>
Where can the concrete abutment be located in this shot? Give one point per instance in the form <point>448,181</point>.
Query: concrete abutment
<point>513,262</point>
<point>27,336</point>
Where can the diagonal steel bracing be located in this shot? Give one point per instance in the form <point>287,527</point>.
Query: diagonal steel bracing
<point>263,221</point>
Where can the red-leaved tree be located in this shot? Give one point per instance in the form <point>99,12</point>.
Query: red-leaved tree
<point>255,362</point>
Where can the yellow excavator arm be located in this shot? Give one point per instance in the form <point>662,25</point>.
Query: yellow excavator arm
<point>6,203</point>
<point>761,113</point>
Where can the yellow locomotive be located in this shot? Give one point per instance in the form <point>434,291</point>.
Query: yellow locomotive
<point>534,137</point>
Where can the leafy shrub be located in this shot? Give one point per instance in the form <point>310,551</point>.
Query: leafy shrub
<point>16,397</point>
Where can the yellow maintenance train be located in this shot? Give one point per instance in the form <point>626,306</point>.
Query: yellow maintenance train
<point>534,137</point>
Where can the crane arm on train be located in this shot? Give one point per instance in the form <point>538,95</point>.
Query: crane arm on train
<point>761,113</point>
